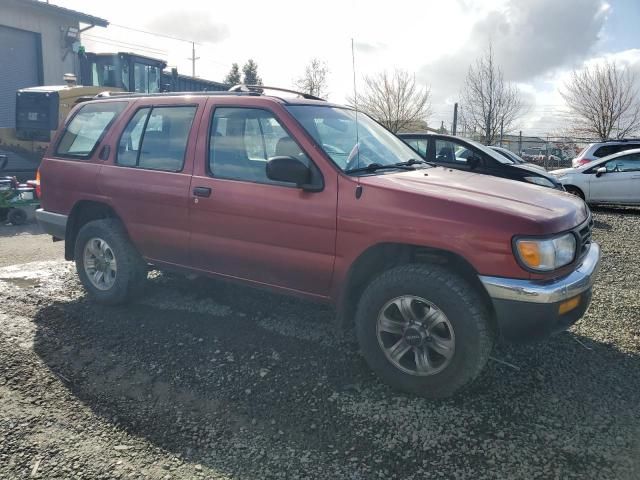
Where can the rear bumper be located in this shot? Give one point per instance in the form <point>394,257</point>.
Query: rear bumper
<point>529,309</point>
<point>55,224</point>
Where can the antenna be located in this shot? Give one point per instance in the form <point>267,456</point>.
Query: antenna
<point>355,102</point>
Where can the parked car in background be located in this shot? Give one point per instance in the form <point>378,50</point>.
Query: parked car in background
<point>429,265</point>
<point>598,150</point>
<point>467,155</point>
<point>515,158</point>
<point>506,153</point>
<point>614,179</point>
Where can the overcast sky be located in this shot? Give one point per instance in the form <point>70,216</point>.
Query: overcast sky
<point>536,42</point>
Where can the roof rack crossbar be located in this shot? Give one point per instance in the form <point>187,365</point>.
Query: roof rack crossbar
<point>260,88</point>
<point>108,94</point>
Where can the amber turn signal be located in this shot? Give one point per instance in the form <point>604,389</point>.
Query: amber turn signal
<point>529,253</point>
<point>569,305</point>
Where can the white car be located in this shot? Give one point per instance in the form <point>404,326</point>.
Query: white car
<point>614,179</point>
<point>599,150</point>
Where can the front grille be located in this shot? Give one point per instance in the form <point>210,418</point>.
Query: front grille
<point>584,236</point>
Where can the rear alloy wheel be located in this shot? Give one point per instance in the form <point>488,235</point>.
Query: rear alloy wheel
<point>424,329</point>
<point>100,264</point>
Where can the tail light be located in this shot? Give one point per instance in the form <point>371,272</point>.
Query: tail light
<point>38,187</point>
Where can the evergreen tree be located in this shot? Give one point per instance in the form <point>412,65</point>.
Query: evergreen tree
<point>233,77</point>
<point>250,71</point>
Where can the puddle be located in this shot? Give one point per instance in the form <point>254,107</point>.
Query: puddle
<point>22,282</point>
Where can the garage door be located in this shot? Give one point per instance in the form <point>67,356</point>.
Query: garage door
<point>19,62</point>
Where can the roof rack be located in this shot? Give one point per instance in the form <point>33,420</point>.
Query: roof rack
<point>236,90</point>
<point>260,89</point>
<point>108,94</point>
<point>622,140</point>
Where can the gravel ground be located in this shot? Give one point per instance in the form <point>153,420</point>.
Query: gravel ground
<point>204,380</point>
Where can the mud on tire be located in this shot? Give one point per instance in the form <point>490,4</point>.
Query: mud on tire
<point>131,271</point>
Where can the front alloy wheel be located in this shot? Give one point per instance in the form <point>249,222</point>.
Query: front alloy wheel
<point>415,335</point>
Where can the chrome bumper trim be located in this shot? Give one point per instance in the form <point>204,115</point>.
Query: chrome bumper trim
<point>553,291</point>
<point>54,224</point>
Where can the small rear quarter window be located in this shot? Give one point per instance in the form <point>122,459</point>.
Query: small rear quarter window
<point>87,127</point>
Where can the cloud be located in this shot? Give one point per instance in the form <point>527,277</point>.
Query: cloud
<point>190,25</point>
<point>369,47</point>
<point>530,38</point>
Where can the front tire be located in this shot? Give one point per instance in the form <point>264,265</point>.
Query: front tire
<point>109,267</point>
<point>424,330</point>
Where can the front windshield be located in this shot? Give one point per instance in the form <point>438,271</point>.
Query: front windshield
<point>507,154</point>
<point>492,153</point>
<point>335,131</point>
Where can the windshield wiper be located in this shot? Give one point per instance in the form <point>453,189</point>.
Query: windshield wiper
<point>413,161</point>
<point>372,167</point>
<point>408,165</point>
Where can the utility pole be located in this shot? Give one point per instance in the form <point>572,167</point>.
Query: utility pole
<point>520,143</point>
<point>501,131</point>
<point>454,127</point>
<point>193,59</point>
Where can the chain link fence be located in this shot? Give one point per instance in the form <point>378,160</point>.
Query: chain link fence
<point>549,152</point>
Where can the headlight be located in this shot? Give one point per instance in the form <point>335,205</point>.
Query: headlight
<point>547,254</point>
<point>543,182</point>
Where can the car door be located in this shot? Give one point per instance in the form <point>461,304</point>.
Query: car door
<point>149,177</point>
<point>620,183</point>
<point>246,226</point>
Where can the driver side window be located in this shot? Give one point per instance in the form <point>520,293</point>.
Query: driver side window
<point>242,140</point>
<point>452,153</point>
<point>628,163</point>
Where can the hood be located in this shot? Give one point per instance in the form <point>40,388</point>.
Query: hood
<point>562,171</point>
<point>531,167</point>
<point>537,170</point>
<point>547,210</point>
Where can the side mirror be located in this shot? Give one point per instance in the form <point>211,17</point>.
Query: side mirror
<point>601,171</point>
<point>288,169</point>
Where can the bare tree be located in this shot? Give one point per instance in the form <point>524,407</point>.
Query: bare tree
<point>603,101</point>
<point>489,103</point>
<point>394,100</point>
<point>314,80</point>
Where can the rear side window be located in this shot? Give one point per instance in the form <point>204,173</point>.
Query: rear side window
<point>156,138</point>
<point>611,149</point>
<point>86,129</point>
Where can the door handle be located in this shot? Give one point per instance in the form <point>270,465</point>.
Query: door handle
<point>202,191</point>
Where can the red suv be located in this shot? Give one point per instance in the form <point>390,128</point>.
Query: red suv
<point>430,265</point>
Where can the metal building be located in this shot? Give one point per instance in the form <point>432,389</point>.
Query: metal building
<point>37,43</point>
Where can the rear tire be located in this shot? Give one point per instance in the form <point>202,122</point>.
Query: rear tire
<point>109,267</point>
<point>575,191</point>
<point>17,216</point>
<point>434,298</point>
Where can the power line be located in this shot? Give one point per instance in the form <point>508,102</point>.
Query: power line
<point>128,47</point>
<point>154,33</point>
<point>123,43</point>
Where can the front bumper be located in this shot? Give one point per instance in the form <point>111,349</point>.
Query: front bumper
<point>55,224</point>
<point>529,309</point>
